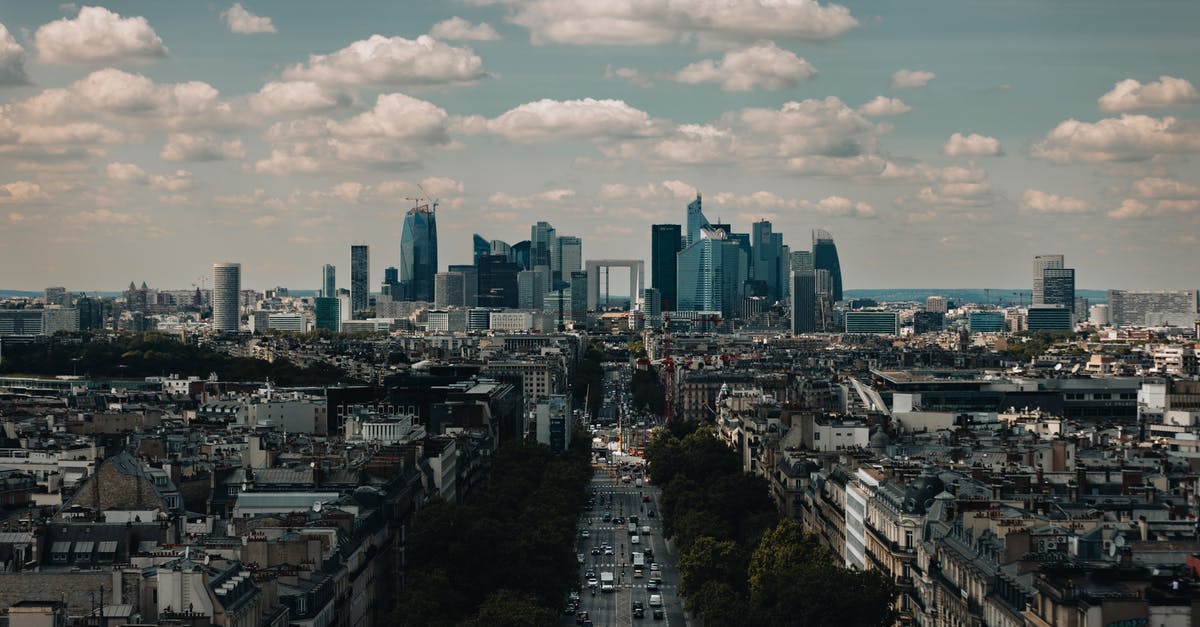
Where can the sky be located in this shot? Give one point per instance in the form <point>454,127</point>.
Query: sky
<point>943,143</point>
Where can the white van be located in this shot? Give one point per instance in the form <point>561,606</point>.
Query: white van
<point>656,600</point>
<point>635,540</point>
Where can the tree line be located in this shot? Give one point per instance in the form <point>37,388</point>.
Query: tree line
<point>739,564</point>
<point>505,557</point>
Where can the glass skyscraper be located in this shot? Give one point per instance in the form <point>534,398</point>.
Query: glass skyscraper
<point>825,257</point>
<point>1058,287</point>
<point>226,295</point>
<point>360,277</point>
<point>695,220</point>
<point>418,254</point>
<point>328,281</point>
<point>480,246</point>
<point>710,274</point>
<point>541,244</point>
<point>665,244</point>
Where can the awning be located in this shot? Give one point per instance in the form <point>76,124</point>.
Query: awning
<point>60,547</point>
<point>84,547</point>
<point>106,547</point>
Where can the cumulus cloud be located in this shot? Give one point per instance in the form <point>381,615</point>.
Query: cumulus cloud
<point>883,106</point>
<point>670,189</point>
<point>829,206</point>
<point>647,22</point>
<point>239,20</point>
<point>132,174</point>
<point>553,197</point>
<point>570,119</point>
<point>1167,91</point>
<point>904,79</point>
<point>12,60</point>
<point>1159,187</point>
<point>391,133</point>
<point>22,193</point>
<point>1036,201</point>
<point>296,97</point>
<point>633,76</point>
<point>1123,139</point>
<point>388,61</point>
<point>104,217</point>
<point>188,147</point>
<point>98,35</point>
<point>1132,208</point>
<point>951,195</point>
<point>458,29</point>
<point>760,66</point>
<point>973,145</point>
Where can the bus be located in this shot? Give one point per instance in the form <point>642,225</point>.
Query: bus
<point>639,564</point>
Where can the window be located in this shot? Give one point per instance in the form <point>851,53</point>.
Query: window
<point>908,545</point>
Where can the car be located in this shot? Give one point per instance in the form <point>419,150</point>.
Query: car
<point>579,556</point>
<point>590,574</point>
<point>597,550</point>
<point>652,584</point>
<point>658,613</point>
<point>582,617</point>
<point>656,600</point>
<point>655,567</point>
<point>607,516</point>
<point>608,550</point>
<point>650,514</point>
<point>639,611</point>
<point>592,583</point>
<point>585,534</point>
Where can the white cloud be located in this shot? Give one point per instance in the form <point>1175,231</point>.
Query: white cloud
<point>829,206</point>
<point>973,145</point>
<point>903,79</point>
<point>643,22</point>
<point>1132,208</point>
<point>132,174</point>
<point>263,222</point>
<point>458,29</point>
<point>1130,94</point>
<point>671,189</point>
<point>386,61</point>
<point>541,200</point>
<point>98,35</point>
<point>883,105</point>
<point>1036,201</point>
<point>104,217</point>
<point>922,173</point>
<point>22,193</point>
<point>12,60</point>
<point>633,76</point>
<point>760,66</point>
<point>126,173</point>
<point>1123,139</point>
<point>243,22</point>
<point>571,119</point>
<point>295,97</point>
<point>187,147</point>
<point>1158,187</point>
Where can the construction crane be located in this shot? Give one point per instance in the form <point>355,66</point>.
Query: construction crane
<point>668,364</point>
<point>416,201</point>
<point>433,203</point>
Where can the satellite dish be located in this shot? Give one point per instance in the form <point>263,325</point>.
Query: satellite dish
<point>1119,540</point>
<point>1058,366</point>
<point>317,507</point>
<point>1112,549</point>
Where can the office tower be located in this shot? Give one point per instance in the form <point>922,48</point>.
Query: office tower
<point>652,303</point>
<point>227,288</point>
<point>665,244</point>
<point>566,257</point>
<point>804,302</point>
<point>500,247</point>
<point>531,288</point>
<point>470,283</point>
<point>391,282</point>
<point>345,308</point>
<point>57,296</point>
<point>520,255</point>
<point>766,258</point>
<point>547,282</point>
<point>802,261</point>
<point>449,289</point>
<point>825,257</point>
<point>91,313</point>
<point>880,322</point>
<point>360,277</point>
<point>711,274</point>
<point>1058,287</point>
<point>1049,317</point>
<point>1152,309</point>
<point>1099,315</point>
<point>936,304</point>
<point>497,282</point>
<point>328,314</point>
<point>541,243</point>
<point>985,321</point>
<point>928,321</point>
<point>1040,264</point>
<point>695,221</point>
<point>579,296</point>
<point>480,247</point>
<point>1081,308</point>
<point>328,281</point>
<point>418,254</point>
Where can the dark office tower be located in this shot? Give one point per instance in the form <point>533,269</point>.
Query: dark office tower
<point>767,263</point>
<point>695,221</point>
<point>418,254</point>
<point>497,282</point>
<point>91,313</point>
<point>579,302</point>
<point>391,283</point>
<point>825,257</point>
<point>328,281</point>
<point>328,314</point>
<point>521,254</point>
<point>470,283</point>
<point>804,302</point>
<point>1041,263</point>
<point>1058,287</point>
<point>480,246</point>
<point>360,278</point>
<point>541,244</point>
<point>665,244</point>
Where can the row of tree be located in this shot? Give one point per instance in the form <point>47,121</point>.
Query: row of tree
<point>137,355</point>
<point>589,376</point>
<point>506,556</point>
<point>740,564</point>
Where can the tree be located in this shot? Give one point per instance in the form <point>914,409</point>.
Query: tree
<point>708,560</point>
<point>719,605</point>
<point>508,608</point>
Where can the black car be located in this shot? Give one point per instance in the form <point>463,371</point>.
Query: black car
<point>650,514</point>
<point>658,613</point>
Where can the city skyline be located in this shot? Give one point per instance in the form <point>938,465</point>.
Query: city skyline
<point>941,152</point>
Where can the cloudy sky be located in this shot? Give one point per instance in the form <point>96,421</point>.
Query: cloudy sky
<point>942,142</point>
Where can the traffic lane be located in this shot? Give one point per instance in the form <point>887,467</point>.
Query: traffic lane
<point>604,606</point>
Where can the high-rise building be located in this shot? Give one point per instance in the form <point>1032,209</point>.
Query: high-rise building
<point>360,277</point>
<point>520,254</point>
<point>449,289</point>
<point>470,283</point>
<point>418,253</point>
<point>695,220</point>
<point>1152,309</point>
<point>328,316</point>
<point>1048,317</point>
<point>531,288</point>
<point>328,281</point>
<point>804,302</point>
<point>767,259</point>
<point>579,296</point>
<point>825,257</point>
<point>57,296</point>
<point>91,313</point>
<point>1058,287</point>
<point>541,244</point>
<point>497,282</point>
<point>936,304</point>
<point>928,321</point>
<point>227,287</point>
<point>802,261</point>
<point>567,257</point>
<point>480,247</point>
<point>665,244</point>
<point>391,283</point>
<point>985,321</point>
<point>652,303</point>
<point>711,274</point>
<point>1041,263</point>
<point>882,322</point>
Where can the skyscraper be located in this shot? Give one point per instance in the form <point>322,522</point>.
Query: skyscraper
<point>391,283</point>
<point>227,287</point>
<point>1040,264</point>
<point>665,244</point>
<point>520,255</point>
<point>825,257</point>
<point>449,289</point>
<point>418,253</point>
<point>531,288</point>
<point>1058,287</point>
<point>695,220</point>
<point>327,314</point>
<point>767,265</point>
<point>497,282</point>
<point>804,302</point>
<point>541,244</point>
<point>360,277</point>
<point>711,274</point>
<point>567,257</point>
<point>470,282</point>
<point>480,246</point>
<point>328,281</point>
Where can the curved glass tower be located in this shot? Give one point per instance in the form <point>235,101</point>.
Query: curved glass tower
<point>825,257</point>
<point>418,254</point>
<point>481,246</point>
<point>695,220</point>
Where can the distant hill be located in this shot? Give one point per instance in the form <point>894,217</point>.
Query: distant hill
<point>996,296</point>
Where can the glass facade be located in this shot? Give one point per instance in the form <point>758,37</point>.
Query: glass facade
<point>825,257</point>
<point>711,274</point>
<point>665,242</point>
<point>985,322</point>
<point>695,220</point>
<point>360,277</point>
<point>418,254</point>
<point>884,322</point>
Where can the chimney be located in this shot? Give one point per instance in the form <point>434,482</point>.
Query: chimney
<point>1143,528</point>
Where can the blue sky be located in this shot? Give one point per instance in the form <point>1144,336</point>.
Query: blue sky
<point>942,143</point>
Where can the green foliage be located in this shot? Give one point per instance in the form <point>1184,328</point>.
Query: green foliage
<point>507,608</point>
<point>154,354</point>
<point>588,378</point>
<point>647,390</point>
<point>708,560</point>
<point>1029,345</point>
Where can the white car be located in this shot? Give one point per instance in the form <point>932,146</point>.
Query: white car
<point>592,583</point>
<point>585,534</point>
<point>656,600</point>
